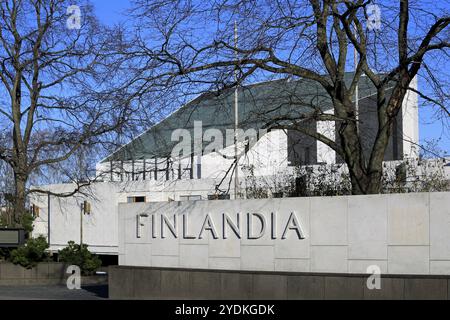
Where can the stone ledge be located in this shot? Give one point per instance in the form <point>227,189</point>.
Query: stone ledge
<point>165,283</point>
<point>45,273</point>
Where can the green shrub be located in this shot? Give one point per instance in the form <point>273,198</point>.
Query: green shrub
<point>26,222</point>
<point>4,254</point>
<point>74,254</point>
<point>31,253</point>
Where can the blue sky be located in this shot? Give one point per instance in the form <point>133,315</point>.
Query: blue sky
<point>110,12</point>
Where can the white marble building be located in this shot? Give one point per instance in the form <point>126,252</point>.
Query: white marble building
<point>144,171</point>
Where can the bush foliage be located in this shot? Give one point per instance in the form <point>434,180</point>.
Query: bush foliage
<point>411,175</point>
<point>26,220</point>
<point>31,253</point>
<point>79,255</point>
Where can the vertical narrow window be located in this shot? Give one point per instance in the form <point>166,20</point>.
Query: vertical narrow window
<point>121,171</point>
<point>307,156</point>
<point>199,167</point>
<point>395,140</point>
<point>144,169</point>
<point>191,170</point>
<point>167,169</point>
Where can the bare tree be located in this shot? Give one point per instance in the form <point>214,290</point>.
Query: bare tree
<point>193,44</point>
<point>6,181</point>
<point>56,73</point>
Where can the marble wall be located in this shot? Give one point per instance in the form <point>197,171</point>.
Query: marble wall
<point>399,233</point>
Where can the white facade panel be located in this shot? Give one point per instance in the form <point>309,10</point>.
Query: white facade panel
<point>363,238</point>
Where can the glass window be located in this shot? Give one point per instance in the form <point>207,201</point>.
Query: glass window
<point>190,198</point>
<point>136,199</point>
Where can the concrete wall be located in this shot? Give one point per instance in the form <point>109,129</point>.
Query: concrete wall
<point>400,233</point>
<point>43,274</point>
<point>159,283</point>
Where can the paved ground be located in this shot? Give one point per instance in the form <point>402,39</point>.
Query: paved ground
<point>53,293</point>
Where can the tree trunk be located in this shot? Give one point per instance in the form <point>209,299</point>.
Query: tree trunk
<point>19,200</point>
<point>375,183</point>
<point>365,174</point>
<point>350,142</point>
<point>366,183</point>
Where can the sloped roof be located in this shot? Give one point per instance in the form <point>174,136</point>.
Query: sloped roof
<point>258,104</point>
